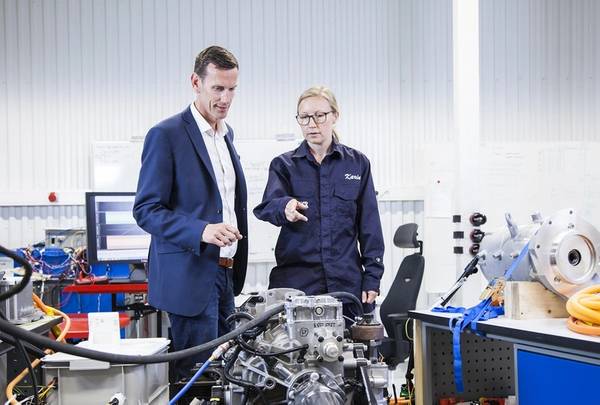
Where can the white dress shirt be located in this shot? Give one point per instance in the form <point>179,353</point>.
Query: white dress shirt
<point>223,168</point>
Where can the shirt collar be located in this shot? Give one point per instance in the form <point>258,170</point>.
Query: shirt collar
<point>204,126</point>
<point>336,149</point>
<point>302,150</point>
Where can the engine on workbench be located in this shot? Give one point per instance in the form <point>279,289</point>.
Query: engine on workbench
<point>301,356</point>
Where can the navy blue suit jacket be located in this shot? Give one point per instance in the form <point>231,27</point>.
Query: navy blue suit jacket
<point>177,196</point>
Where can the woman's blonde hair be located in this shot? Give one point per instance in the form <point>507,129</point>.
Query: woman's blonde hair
<point>327,94</point>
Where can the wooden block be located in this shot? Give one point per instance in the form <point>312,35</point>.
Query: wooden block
<point>531,300</point>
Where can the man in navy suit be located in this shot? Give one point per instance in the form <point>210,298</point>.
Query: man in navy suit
<point>191,198</point>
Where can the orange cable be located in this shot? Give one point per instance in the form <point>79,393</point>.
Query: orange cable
<point>48,311</point>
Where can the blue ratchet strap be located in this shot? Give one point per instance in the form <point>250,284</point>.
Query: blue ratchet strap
<point>449,309</point>
<point>480,312</point>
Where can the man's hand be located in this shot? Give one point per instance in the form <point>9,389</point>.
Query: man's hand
<point>221,234</point>
<point>291,210</point>
<point>368,297</point>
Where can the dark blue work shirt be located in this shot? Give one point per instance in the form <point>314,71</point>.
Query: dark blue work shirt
<point>322,255</point>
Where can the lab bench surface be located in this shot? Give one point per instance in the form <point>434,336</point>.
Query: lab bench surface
<point>512,357</point>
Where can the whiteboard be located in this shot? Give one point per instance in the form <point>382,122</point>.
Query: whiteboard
<point>116,167</point>
<point>256,156</point>
<point>522,178</point>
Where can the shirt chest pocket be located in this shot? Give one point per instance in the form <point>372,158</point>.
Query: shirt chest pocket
<point>345,197</point>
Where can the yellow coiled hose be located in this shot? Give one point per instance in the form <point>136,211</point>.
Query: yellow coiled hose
<point>584,308</point>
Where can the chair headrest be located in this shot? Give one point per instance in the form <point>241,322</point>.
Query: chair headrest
<point>406,236</point>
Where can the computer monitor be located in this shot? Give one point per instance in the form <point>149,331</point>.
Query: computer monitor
<point>112,234</point>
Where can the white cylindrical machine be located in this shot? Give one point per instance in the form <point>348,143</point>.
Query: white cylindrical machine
<point>563,252</point>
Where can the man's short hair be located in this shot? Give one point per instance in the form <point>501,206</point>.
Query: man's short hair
<point>218,56</point>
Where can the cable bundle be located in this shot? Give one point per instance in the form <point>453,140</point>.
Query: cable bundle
<point>584,308</point>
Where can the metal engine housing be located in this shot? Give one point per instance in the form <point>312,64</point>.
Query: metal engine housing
<point>563,252</point>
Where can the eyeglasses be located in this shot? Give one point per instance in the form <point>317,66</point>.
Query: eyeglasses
<point>318,118</point>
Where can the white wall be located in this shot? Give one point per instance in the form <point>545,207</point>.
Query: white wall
<point>74,72</point>
<point>22,226</point>
<point>540,106</point>
<point>540,70</point>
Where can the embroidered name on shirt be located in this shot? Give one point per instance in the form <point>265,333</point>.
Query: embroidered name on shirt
<point>352,176</point>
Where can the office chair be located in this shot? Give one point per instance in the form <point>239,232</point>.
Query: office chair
<point>402,297</point>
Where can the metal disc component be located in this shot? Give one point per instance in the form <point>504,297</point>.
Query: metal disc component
<point>564,253</point>
<point>367,332</point>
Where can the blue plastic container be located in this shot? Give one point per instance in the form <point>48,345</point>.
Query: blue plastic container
<point>55,261</point>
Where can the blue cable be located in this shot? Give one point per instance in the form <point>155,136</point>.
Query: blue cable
<point>189,383</point>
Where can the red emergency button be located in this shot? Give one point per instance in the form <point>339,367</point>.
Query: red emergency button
<point>52,197</point>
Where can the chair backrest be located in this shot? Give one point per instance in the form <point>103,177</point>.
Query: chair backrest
<point>404,291</point>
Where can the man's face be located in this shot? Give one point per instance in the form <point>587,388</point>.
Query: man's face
<point>215,92</point>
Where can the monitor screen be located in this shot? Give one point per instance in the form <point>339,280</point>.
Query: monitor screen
<point>112,234</point>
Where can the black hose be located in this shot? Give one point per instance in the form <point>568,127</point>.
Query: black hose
<point>44,342</point>
<point>36,351</point>
<point>27,361</point>
<point>14,291</point>
<point>24,281</point>
<point>251,350</point>
<point>237,315</point>
<point>250,333</point>
<point>229,377</point>
<point>248,385</point>
<point>351,297</point>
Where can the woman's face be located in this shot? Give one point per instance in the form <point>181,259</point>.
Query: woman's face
<point>321,119</point>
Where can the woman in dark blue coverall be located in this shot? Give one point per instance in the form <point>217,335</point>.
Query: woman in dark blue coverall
<point>322,196</point>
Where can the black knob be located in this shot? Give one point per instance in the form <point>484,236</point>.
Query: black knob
<point>339,338</point>
<point>340,358</point>
<point>477,235</point>
<point>320,339</point>
<point>477,219</point>
<point>474,249</point>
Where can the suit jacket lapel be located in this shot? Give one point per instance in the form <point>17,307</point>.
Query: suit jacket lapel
<point>239,173</point>
<point>196,137</point>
